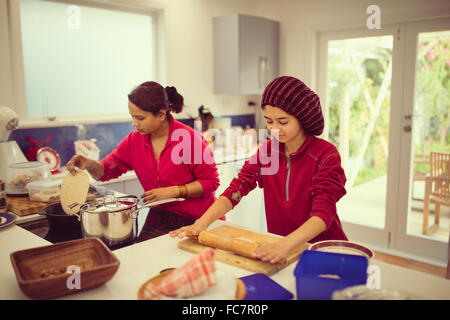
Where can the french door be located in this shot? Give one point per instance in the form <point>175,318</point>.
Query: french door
<point>366,81</point>
<point>425,129</point>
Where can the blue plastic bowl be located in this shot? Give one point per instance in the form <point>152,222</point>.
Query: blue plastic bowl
<point>318,274</point>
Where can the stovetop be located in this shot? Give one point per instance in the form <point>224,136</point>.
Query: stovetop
<point>43,230</point>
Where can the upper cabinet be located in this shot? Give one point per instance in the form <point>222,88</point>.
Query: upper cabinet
<point>245,53</point>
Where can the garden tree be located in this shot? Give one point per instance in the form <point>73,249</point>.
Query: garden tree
<point>433,89</point>
<point>360,76</point>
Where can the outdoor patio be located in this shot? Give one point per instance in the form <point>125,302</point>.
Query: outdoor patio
<point>365,205</point>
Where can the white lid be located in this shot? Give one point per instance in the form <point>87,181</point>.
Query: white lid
<point>44,184</point>
<point>28,165</point>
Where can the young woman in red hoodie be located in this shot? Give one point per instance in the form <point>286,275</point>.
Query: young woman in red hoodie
<point>300,194</point>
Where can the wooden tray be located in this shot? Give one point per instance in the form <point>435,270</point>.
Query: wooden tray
<point>239,261</point>
<point>42,272</point>
<point>240,288</point>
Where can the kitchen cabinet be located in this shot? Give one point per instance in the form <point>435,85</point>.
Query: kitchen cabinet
<point>115,186</point>
<point>129,187</point>
<point>133,187</point>
<point>246,51</point>
<point>249,213</point>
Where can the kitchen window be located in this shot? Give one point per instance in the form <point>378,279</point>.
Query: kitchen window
<point>80,59</point>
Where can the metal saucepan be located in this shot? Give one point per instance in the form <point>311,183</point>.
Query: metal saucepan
<point>58,219</point>
<point>114,220</point>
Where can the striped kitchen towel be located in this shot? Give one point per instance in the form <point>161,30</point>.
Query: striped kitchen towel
<point>194,277</point>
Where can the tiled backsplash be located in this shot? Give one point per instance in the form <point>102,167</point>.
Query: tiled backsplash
<point>107,135</point>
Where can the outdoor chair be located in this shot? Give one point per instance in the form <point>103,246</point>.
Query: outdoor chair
<point>437,188</point>
<point>417,175</point>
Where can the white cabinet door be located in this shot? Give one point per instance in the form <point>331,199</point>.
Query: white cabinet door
<point>115,186</point>
<point>134,187</point>
<point>245,51</point>
<point>250,212</point>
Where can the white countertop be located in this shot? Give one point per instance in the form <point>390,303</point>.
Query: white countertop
<point>144,260</point>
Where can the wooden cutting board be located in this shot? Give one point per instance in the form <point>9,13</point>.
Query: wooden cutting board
<point>236,260</point>
<point>22,206</point>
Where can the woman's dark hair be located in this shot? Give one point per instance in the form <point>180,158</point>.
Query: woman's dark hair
<point>152,97</point>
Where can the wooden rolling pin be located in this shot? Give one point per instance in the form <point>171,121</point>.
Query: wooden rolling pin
<point>238,246</point>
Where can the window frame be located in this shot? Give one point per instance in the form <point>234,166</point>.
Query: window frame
<point>17,76</point>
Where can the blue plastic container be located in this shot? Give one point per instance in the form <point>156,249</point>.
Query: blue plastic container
<point>314,268</point>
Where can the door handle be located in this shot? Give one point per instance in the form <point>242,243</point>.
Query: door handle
<point>262,72</point>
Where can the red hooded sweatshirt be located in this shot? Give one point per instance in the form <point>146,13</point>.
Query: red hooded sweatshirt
<point>307,183</point>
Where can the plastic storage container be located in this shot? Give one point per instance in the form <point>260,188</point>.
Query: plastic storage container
<point>22,173</point>
<point>319,274</point>
<point>46,190</point>
<point>87,148</point>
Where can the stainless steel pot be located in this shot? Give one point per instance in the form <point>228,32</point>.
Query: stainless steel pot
<point>114,220</point>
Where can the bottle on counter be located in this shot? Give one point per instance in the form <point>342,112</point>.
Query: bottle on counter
<point>2,196</point>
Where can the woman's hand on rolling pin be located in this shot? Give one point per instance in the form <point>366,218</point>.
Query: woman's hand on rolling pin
<point>77,161</point>
<point>276,252</point>
<point>160,194</point>
<point>191,231</point>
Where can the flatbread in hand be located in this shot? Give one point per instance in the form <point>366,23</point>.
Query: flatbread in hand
<point>74,189</point>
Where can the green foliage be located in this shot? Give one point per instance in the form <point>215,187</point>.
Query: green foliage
<point>433,85</point>
<point>372,57</point>
<point>369,173</point>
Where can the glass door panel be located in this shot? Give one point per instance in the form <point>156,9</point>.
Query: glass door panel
<point>385,98</point>
<point>431,133</point>
<point>425,128</point>
<point>358,105</point>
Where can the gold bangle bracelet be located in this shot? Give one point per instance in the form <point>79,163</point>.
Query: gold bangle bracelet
<point>183,191</point>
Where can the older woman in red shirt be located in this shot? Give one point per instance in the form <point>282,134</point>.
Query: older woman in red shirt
<point>170,160</point>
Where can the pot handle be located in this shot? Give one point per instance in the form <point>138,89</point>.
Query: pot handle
<point>71,206</point>
<point>135,212</point>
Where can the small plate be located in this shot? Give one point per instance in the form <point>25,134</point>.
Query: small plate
<point>227,287</point>
<point>340,246</point>
<point>6,219</point>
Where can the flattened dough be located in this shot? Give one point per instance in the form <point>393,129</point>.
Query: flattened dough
<point>74,189</point>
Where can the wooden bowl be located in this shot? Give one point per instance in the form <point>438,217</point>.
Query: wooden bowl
<point>240,288</point>
<point>43,273</point>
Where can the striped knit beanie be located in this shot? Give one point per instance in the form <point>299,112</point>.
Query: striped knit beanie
<point>294,97</point>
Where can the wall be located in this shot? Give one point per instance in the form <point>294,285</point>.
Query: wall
<point>188,66</point>
<point>300,20</point>
<point>189,53</point>
<point>188,42</point>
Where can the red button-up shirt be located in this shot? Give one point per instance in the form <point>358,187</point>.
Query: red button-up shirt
<point>185,145</point>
